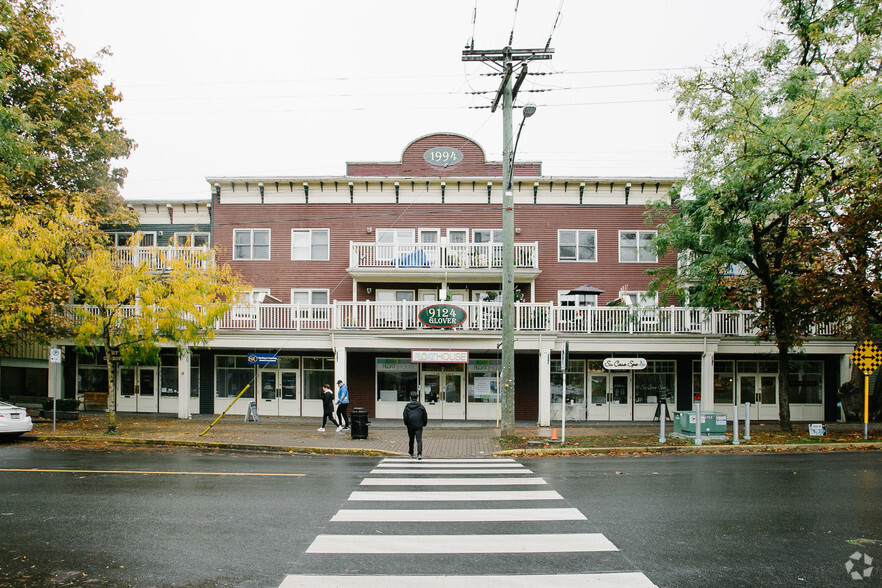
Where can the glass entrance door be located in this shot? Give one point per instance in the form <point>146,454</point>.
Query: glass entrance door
<point>610,397</point>
<point>137,390</point>
<point>762,393</point>
<point>442,395</point>
<point>278,393</point>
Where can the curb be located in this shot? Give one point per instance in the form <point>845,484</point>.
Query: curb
<point>764,448</point>
<point>220,445</point>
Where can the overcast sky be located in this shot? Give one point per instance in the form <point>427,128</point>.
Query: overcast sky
<point>292,87</point>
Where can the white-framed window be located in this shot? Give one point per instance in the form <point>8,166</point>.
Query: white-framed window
<point>487,236</point>
<point>457,235</point>
<point>394,235</point>
<point>576,245</point>
<point>634,247</point>
<point>253,244</point>
<point>192,239</point>
<point>638,299</point>
<point>127,239</point>
<point>310,244</point>
<point>388,241</point>
<point>430,235</point>
<point>309,296</point>
<point>564,298</point>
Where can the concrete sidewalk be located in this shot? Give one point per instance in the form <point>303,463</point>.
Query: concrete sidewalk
<point>385,436</point>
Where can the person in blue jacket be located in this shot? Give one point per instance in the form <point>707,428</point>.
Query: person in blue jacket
<point>415,418</point>
<point>342,406</point>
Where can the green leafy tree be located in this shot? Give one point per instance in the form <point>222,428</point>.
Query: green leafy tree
<point>129,310</point>
<point>58,133</point>
<point>58,139</point>
<point>778,138</point>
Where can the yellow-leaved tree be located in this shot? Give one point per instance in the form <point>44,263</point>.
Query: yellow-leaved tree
<point>174,297</point>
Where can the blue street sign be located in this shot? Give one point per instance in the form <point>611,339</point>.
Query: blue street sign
<point>262,359</point>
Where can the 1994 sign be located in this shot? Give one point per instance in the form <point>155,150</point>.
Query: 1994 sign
<point>443,156</point>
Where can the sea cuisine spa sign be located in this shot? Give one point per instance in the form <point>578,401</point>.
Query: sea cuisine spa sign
<point>442,316</point>
<point>624,363</point>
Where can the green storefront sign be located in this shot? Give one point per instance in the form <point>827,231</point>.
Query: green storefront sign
<point>442,316</point>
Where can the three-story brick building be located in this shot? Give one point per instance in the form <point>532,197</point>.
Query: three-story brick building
<point>345,271</point>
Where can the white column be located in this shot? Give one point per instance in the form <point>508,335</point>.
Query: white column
<point>184,383</point>
<point>340,369</point>
<point>707,381</point>
<point>544,387</point>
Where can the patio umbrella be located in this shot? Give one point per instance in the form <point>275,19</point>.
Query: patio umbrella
<point>585,289</point>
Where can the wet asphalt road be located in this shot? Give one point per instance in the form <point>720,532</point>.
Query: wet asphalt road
<point>179,517</point>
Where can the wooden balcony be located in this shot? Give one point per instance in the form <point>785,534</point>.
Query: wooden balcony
<point>159,259</point>
<point>486,317</point>
<point>408,261</point>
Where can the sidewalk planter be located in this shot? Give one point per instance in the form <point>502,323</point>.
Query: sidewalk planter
<point>358,423</point>
<point>712,423</point>
<point>66,409</point>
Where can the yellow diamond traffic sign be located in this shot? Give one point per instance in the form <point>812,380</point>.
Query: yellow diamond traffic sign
<point>867,357</point>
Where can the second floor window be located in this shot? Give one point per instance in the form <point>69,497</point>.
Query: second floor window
<point>251,244</point>
<point>310,244</point>
<point>576,245</point>
<point>634,246</point>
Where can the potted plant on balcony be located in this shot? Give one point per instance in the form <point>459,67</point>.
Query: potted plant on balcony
<point>66,409</point>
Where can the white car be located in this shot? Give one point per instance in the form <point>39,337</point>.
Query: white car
<point>14,420</point>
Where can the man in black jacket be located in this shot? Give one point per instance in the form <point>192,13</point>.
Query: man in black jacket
<point>415,418</point>
<point>328,406</point>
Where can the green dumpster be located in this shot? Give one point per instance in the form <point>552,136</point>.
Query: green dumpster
<point>712,423</point>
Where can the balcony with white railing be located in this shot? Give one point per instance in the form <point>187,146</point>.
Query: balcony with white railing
<point>160,259</point>
<point>464,259</point>
<point>486,317</point>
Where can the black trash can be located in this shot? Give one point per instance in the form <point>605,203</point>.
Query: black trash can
<point>358,423</point>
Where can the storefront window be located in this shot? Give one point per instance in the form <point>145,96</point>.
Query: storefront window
<point>194,376</point>
<point>396,379</point>
<point>658,381</point>
<point>317,371</point>
<point>483,380</point>
<point>575,381</point>
<point>91,375</point>
<point>233,373</point>
<point>168,374</point>
<point>806,382</point>
<point>724,381</point>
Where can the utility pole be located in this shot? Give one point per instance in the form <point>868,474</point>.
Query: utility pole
<point>505,60</point>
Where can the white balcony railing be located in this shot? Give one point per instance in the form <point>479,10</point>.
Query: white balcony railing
<point>160,258</point>
<point>487,317</point>
<point>439,255</point>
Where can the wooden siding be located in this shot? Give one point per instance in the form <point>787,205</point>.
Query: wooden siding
<point>413,164</point>
<point>349,222</point>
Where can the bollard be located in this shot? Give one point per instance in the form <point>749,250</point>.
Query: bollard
<point>735,440</point>
<point>697,406</point>
<point>747,421</point>
<point>661,431</point>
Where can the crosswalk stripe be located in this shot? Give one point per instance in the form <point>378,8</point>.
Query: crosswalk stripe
<point>484,465</point>
<point>457,471</point>
<point>470,496</point>
<point>459,515</point>
<point>451,460</point>
<point>453,482</point>
<point>596,580</point>
<point>515,543</point>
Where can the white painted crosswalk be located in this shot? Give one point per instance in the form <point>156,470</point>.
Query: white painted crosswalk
<point>485,510</point>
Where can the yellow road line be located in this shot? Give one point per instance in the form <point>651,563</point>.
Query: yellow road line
<point>41,471</point>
